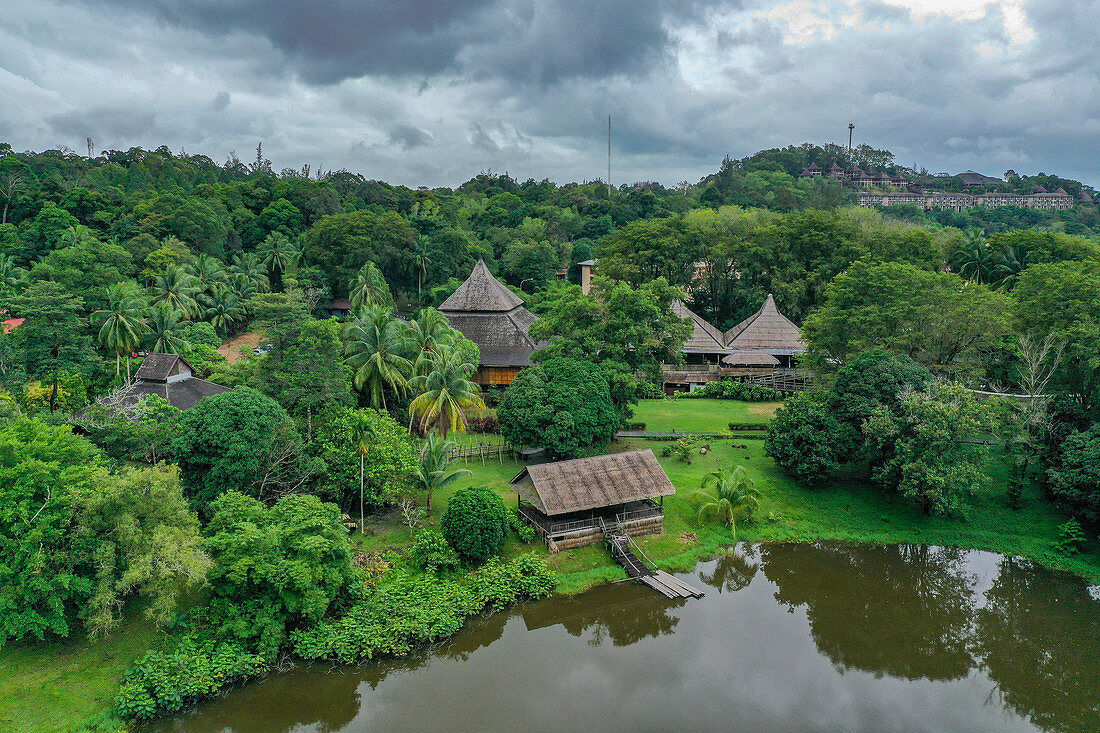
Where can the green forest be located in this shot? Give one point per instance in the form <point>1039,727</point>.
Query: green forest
<point>314,509</point>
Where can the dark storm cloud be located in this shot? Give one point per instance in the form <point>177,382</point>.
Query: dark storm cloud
<point>430,92</point>
<point>408,136</point>
<point>220,101</point>
<point>327,41</point>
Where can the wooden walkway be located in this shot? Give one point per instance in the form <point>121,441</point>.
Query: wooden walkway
<point>623,549</point>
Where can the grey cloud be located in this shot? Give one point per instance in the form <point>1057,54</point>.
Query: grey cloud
<point>430,93</point>
<point>110,122</point>
<point>527,40</point>
<point>220,101</point>
<point>408,136</point>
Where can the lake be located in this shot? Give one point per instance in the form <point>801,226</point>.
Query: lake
<point>789,637</point>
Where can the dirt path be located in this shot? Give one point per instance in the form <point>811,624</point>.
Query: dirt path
<point>231,349</point>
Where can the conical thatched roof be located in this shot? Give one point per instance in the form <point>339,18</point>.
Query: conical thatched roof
<point>591,483</point>
<point>493,317</point>
<point>766,330</point>
<point>481,292</point>
<point>704,337</point>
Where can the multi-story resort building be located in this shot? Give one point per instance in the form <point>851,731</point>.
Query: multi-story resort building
<point>957,201</point>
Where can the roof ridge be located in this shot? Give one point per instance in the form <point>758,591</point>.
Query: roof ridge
<point>481,292</point>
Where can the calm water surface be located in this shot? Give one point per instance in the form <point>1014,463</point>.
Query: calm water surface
<point>820,637</point>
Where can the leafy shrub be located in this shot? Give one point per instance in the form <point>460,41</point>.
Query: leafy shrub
<point>682,449</point>
<point>738,426</point>
<point>431,552</point>
<point>666,451</point>
<point>648,391</point>
<point>410,611</point>
<point>486,423</point>
<point>802,437</point>
<point>164,682</point>
<point>730,389</point>
<point>634,426</point>
<point>1071,537</point>
<point>1075,480</point>
<point>475,523</point>
<point>276,568</point>
<point>523,530</point>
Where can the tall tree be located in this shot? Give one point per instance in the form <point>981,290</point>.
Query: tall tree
<point>176,290</point>
<point>121,324</point>
<point>374,344</point>
<point>436,469</point>
<point>369,289</point>
<point>444,393</point>
<point>53,337</point>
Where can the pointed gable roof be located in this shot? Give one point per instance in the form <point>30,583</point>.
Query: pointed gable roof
<point>704,337</point>
<point>493,317</point>
<point>158,367</point>
<point>766,330</point>
<point>481,292</point>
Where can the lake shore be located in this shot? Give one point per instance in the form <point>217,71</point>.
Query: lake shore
<point>71,685</point>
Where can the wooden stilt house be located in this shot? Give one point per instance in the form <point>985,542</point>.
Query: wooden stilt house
<point>569,502</point>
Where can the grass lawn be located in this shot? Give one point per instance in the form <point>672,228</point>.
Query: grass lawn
<point>701,416</point>
<point>69,685</point>
<point>845,509</point>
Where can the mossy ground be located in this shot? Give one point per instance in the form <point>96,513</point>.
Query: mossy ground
<point>70,686</point>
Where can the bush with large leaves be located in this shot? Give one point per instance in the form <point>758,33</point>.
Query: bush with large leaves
<point>475,523</point>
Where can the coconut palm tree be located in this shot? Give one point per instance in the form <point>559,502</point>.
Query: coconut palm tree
<point>421,259</point>
<point>242,286</point>
<point>436,469</point>
<point>223,309</point>
<point>973,258</point>
<point>165,328</point>
<point>374,343</point>
<point>121,324</point>
<point>74,235</point>
<point>177,290</point>
<point>370,289</point>
<point>278,253</point>
<point>250,266</point>
<point>427,333</point>
<point>1011,263</point>
<point>208,273</point>
<point>10,275</point>
<point>365,433</point>
<point>445,395</point>
<point>734,496</point>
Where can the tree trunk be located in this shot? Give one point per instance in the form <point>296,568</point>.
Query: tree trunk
<point>4,218</point>
<point>127,368</point>
<point>362,522</point>
<point>53,395</point>
<point>117,367</point>
<point>309,423</point>
<point>428,512</point>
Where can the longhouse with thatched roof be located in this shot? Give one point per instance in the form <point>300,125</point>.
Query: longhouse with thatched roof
<point>767,331</point>
<point>493,317</point>
<point>567,500</point>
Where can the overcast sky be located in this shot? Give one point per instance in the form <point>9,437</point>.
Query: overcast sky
<point>430,92</point>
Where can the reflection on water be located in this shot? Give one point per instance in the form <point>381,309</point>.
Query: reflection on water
<point>899,610</point>
<point>788,638</point>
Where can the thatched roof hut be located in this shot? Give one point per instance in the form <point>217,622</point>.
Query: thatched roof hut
<point>767,330</point>
<point>705,338</point>
<point>493,317</point>
<point>584,484</point>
